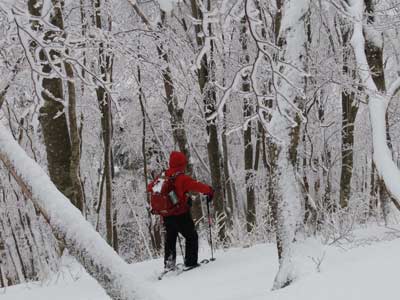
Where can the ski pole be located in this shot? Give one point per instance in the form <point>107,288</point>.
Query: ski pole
<point>180,246</point>
<point>209,228</point>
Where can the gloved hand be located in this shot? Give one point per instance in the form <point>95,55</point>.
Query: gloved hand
<point>209,196</point>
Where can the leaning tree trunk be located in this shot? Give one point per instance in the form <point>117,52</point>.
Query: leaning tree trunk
<point>368,50</point>
<point>69,226</point>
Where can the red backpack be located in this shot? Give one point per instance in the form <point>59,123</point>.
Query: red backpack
<point>163,199</point>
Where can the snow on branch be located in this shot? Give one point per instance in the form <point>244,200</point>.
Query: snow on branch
<point>204,50</point>
<point>208,18</point>
<point>69,226</point>
<point>227,91</point>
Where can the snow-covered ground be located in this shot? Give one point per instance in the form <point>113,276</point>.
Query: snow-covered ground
<point>364,269</point>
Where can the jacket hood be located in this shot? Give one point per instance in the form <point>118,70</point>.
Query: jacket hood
<point>177,161</point>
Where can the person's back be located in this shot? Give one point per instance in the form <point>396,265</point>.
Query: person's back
<point>180,221</point>
<point>184,183</point>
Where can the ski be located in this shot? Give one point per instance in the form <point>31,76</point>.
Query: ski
<point>202,262</point>
<point>176,270</point>
<point>185,269</point>
<point>180,268</point>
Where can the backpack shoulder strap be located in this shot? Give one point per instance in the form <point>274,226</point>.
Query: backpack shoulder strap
<point>173,177</point>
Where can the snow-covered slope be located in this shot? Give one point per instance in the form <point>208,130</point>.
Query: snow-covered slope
<point>365,269</point>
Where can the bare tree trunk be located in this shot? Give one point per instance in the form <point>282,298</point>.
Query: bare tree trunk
<point>373,204</point>
<point>229,185</point>
<point>177,120</point>
<point>154,230</point>
<point>77,189</point>
<point>104,102</point>
<point>205,77</point>
<point>270,147</point>
<point>247,135</point>
<point>52,118</point>
<point>349,112</point>
<point>260,145</point>
<point>176,113</point>
<point>2,281</point>
<point>104,99</point>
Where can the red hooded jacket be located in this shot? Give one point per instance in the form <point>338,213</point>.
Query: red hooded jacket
<point>183,182</point>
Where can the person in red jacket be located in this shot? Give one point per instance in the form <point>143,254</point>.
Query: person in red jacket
<point>180,221</point>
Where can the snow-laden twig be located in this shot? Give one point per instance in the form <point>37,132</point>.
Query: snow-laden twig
<point>244,125</point>
<point>56,63</point>
<point>227,91</point>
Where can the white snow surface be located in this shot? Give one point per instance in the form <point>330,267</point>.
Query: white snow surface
<point>365,269</point>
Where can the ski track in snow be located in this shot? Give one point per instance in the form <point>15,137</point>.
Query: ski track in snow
<point>364,270</point>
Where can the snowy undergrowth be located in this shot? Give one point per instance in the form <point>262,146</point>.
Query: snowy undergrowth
<point>363,267</point>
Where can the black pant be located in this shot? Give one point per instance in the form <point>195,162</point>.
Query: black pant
<point>184,225</point>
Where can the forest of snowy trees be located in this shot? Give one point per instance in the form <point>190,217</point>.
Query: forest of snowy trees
<point>289,109</point>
